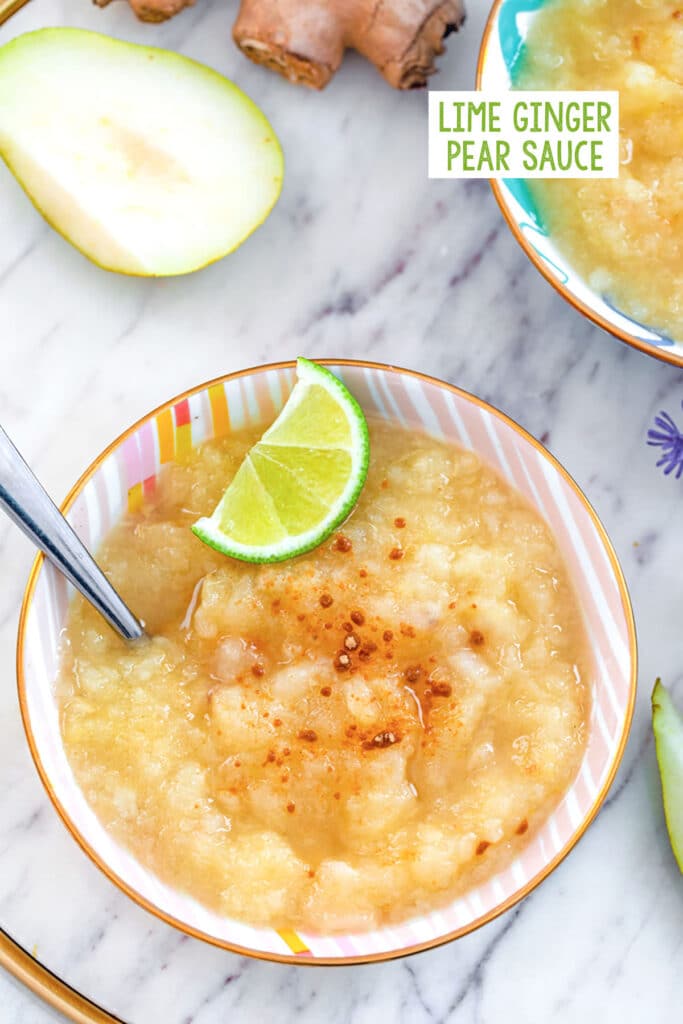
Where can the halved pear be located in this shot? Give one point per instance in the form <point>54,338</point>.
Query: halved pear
<point>146,161</point>
<point>668,729</point>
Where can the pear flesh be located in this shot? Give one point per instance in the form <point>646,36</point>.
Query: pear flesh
<point>668,729</point>
<point>146,161</point>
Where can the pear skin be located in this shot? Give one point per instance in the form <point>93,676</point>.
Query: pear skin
<point>667,725</point>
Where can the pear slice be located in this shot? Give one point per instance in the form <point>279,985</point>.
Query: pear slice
<point>146,161</point>
<point>668,729</point>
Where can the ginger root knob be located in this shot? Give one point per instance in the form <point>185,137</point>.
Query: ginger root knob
<point>153,10</point>
<point>305,40</point>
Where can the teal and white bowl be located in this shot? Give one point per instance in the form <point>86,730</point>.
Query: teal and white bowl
<point>500,56</point>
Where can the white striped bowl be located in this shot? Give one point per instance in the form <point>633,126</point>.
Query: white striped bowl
<point>119,478</point>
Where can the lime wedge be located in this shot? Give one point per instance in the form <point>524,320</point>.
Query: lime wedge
<point>668,729</point>
<point>300,481</point>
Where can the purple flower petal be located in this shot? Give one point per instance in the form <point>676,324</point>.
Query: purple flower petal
<point>669,438</point>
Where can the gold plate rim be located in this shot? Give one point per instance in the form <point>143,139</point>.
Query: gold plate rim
<point>10,7</point>
<point>42,982</point>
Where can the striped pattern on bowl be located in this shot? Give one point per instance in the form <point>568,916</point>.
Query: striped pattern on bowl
<point>121,478</point>
<point>501,53</point>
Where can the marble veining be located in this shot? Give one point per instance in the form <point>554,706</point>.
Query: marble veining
<point>362,257</point>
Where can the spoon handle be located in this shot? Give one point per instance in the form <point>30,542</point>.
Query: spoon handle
<point>26,502</point>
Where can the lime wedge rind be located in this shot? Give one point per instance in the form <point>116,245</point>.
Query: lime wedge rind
<point>348,434</point>
<point>667,725</point>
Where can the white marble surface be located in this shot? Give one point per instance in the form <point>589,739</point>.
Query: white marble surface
<point>363,256</point>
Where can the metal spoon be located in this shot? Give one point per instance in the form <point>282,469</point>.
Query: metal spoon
<point>26,502</point>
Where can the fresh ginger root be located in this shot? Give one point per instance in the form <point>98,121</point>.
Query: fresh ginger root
<point>305,40</point>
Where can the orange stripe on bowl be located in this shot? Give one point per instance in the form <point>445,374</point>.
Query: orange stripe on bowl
<point>293,941</point>
<point>165,432</point>
<point>220,414</point>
